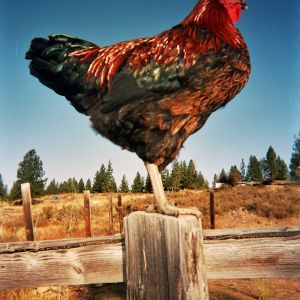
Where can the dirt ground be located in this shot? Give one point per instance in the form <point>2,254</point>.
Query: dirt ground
<point>240,207</point>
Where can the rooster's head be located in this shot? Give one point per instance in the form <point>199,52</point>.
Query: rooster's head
<point>234,8</point>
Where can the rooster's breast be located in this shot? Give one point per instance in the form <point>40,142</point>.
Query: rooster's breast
<point>156,126</point>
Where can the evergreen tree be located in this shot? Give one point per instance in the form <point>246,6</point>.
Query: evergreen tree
<point>15,192</point>
<point>52,188</point>
<point>269,165</point>
<point>254,170</point>
<point>295,160</point>
<point>282,169</point>
<point>67,186</point>
<point>200,181</point>
<point>88,185</point>
<point>3,189</point>
<point>223,178</point>
<point>243,169</point>
<point>81,186</point>
<point>124,188</point>
<point>176,176</point>
<point>109,184</point>
<point>166,179</point>
<point>75,185</point>
<point>184,175</point>
<point>31,170</point>
<point>138,185</point>
<point>148,185</point>
<point>97,183</point>
<point>191,176</point>
<point>62,187</point>
<point>234,176</point>
<point>100,180</point>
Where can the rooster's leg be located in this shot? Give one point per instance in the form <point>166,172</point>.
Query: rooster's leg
<point>161,204</point>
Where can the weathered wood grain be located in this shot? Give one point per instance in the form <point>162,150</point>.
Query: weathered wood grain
<point>277,257</point>
<point>230,253</point>
<point>83,265</point>
<point>87,213</point>
<point>164,257</point>
<point>26,200</point>
<point>120,213</point>
<point>48,245</point>
<point>225,234</point>
<point>212,209</point>
<point>110,215</point>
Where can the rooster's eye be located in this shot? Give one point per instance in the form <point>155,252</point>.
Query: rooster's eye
<point>244,5</point>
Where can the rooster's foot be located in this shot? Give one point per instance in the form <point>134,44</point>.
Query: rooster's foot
<point>174,211</point>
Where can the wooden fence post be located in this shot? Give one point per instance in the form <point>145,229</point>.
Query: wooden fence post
<point>87,213</point>
<point>110,216</point>
<point>26,200</point>
<point>120,211</point>
<point>164,257</point>
<point>212,209</point>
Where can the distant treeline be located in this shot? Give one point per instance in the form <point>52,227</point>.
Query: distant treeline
<point>265,170</point>
<point>271,167</point>
<point>181,175</point>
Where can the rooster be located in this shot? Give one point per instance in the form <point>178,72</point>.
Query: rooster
<point>148,95</point>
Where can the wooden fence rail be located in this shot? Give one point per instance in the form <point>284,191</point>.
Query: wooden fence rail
<point>247,253</point>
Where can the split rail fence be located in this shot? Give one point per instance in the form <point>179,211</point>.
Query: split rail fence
<point>176,246</point>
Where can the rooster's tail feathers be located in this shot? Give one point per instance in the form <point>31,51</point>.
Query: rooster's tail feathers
<point>51,64</point>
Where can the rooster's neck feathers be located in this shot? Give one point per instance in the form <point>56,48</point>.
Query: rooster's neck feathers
<point>183,44</point>
<point>212,15</point>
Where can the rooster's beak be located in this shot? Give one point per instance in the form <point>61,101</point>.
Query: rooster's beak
<point>244,5</point>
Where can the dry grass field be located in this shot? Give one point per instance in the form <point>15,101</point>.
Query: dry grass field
<point>239,207</point>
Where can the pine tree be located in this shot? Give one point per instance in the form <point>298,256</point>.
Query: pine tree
<point>254,170</point>
<point>15,192</point>
<point>99,180</point>
<point>52,188</point>
<point>166,179</point>
<point>31,170</point>
<point>176,176</point>
<point>282,169</point>
<point>3,189</point>
<point>243,169</point>
<point>184,175</point>
<point>81,186</point>
<point>269,165</point>
<point>223,178</point>
<point>88,185</point>
<point>201,183</point>
<point>75,185</point>
<point>148,185</point>
<point>295,160</point>
<point>138,185</point>
<point>68,186</point>
<point>109,184</point>
<point>124,188</point>
<point>192,176</point>
<point>62,189</point>
<point>234,176</point>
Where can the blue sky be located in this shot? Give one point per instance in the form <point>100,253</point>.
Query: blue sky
<point>265,113</point>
